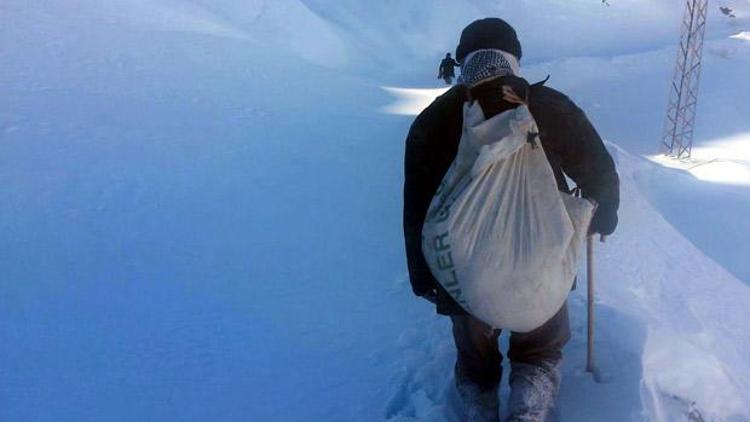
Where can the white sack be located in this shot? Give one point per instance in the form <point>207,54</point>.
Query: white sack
<point>499,236</point>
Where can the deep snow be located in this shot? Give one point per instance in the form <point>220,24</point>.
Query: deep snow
<point>200,203</point>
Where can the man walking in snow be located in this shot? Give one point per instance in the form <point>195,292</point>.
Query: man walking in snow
<point>446,71</point>
<point>489,53</point>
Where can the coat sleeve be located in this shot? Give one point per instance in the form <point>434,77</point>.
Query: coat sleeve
<point>417,197</point>
<point>586,160</point>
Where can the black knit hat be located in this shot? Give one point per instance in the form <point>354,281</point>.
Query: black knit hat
<point>492,33</point>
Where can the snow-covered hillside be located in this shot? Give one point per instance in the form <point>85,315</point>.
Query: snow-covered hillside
<point>200,205</point>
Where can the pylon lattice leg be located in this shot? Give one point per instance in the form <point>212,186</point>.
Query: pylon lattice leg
<point>683,93</point>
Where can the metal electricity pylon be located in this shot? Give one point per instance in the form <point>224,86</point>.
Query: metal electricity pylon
<point>683,94</point>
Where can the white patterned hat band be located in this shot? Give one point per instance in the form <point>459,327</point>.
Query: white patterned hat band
<point>484,64</point>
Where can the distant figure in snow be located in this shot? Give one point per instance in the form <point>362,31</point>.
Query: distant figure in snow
<point>489,53</point>
<point>446,71</point>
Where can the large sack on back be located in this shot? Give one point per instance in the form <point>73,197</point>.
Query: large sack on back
<point>499,236</point>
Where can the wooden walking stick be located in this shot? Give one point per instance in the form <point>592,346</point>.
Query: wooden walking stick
<point>590,365</point>
<point>590,302</point>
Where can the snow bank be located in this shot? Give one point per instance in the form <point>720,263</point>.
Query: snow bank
<point>286,26</point>
<point>694,310</point>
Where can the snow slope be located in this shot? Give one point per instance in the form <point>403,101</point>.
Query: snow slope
<point>200,203</point>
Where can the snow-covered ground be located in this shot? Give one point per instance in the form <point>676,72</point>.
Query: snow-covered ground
<point>200,210</point>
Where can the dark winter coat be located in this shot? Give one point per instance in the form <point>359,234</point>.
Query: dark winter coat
<point>572,146</point>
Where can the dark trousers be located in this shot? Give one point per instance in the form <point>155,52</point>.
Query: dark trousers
<point>479,357</point>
